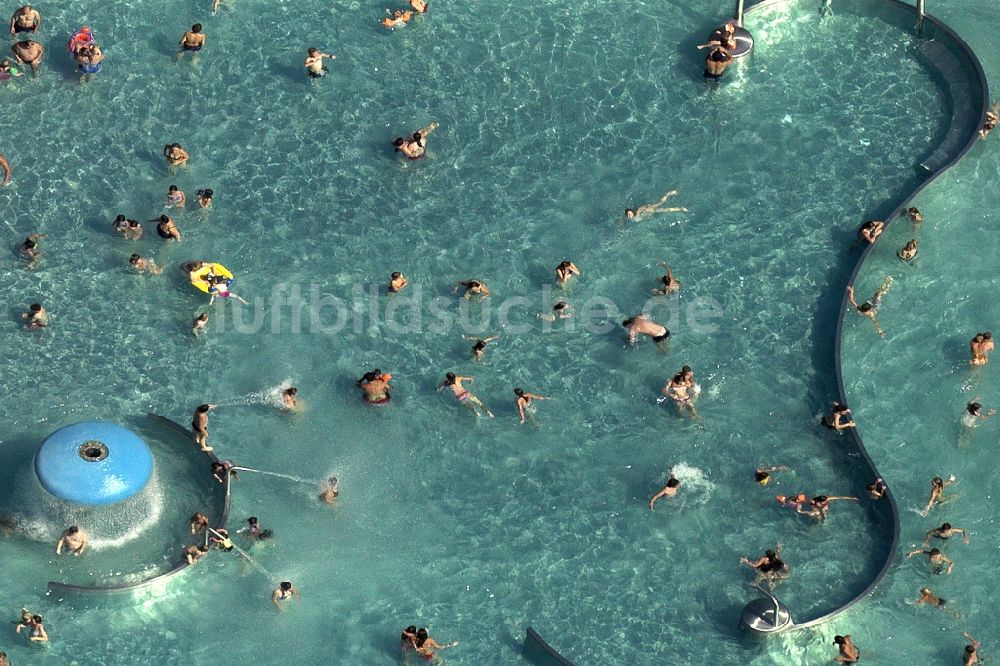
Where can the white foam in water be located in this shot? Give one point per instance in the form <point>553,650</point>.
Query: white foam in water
<point>270,396</point>
<point>695,487</point>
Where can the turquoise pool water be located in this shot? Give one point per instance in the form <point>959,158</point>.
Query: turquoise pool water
<point>554,117</point>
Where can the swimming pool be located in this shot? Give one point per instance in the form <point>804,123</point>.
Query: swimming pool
<point>552,120</point>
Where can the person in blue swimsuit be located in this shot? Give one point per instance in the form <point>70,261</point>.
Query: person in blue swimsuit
<point>88,59</point>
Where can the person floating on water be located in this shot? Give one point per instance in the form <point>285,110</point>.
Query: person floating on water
<point>284,591</point>
<point>564,271</point>
<point>397,282</point>
<point>769,567</point>
<point>194,553</point>
<point>523,401</point>
<point>640,325</point>
<point>199,423</point>
<point>374,385</point>
<point>425,646</point>
<point>473,289</point>
<point>199,523</point>
<point>669,490</point>
<point>715,64</point>
<point>980,347</point>
<point>8,71</point>
<point>314,63</point>
<point>30,251</point>
<point>143,265</point>
<point>762,475</point>
<point>974,413</point>
<point>937,492</point>
<point>668,284</point>
<point>870,308</point>
<point>463,395</point>
<point>870,231</point>
<point>330,490</point>
<point>415,147</point>
<point>839,418</point>
<point>971,655</point>
<point>682,390</point>
<point>479,348</point>
<point>199,324</point>
<point>25,19</point>
<point>74,539</point>
<point>28,52</point>
<point>254,531</point>
<point>909,251</point>
<point>396,19</point>
<point>646,210</point>
<point>193,40</point>
<point>946,531</point>
<point>36,317</point>
<point>175,155</point>
<point>849,654</point>
<point>936,558</point>
<point>290,399</point>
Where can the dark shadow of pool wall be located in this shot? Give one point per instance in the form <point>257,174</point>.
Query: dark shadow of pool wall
<point>954,67</point>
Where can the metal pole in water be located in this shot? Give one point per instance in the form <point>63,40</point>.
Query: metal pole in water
<point>920,16</point>
<point>739,12</point>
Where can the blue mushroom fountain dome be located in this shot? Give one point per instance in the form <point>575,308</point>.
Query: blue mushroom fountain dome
<point>93,462</point>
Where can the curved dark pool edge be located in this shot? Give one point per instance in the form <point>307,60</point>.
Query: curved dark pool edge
<point>223,513</point>
<point>535,644</point>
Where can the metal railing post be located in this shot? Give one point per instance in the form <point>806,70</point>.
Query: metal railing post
<point>739,12</point>
<point>920,16</point>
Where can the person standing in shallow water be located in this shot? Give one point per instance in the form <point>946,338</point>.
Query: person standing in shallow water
<point>314,63</point>
<point>980,347</point>
<point>74,539</point>
<point>193,40</point>
<point>199,423</point>
<point>283,592</point>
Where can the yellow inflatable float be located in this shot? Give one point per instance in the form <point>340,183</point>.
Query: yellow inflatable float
<point>204,278</point>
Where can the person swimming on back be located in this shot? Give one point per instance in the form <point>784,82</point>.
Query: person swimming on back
<point>330,491</point>
<point>463,395</point>
<point>640,325</point>
<point>375,387</point>
<point>416,147</point>
<point>644,210</point>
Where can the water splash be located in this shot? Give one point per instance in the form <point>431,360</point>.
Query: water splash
<point>695,486</point>
<point>270,397</point>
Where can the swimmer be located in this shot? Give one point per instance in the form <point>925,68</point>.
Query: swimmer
<point>419,6</point>
<point>204,197</point>
<point>473,288</point>
<point>523,401</point>
<point>199,324</point>
<point>916,217</point>
<point>220,289</point>
<point>194,553</point>
<point>668,490</point>
<point>255,531</point>
<point>724,36</point>
<point>166,229</point>
<point>4,661</point>
<point>284,591</point>
<point>819,506</point>
<point>715,64</point>
<point>992,117</point>
<point>424,645</point>
<point>36,317</point>
<point>74,539</point>
<point>794,501</point>
<point>937,490</point>
<point>220,538</point>
<point>463,395</point>
<point>25,19</point>
<point>973,413</point>
<point>560,310</point>
<point>7,71</point>
<point>331,489</point>
<point>564,271</point>
<point>175,155</point>
<point>877,489</point>
<point>199,523</point>
<point>6,170</point>
<point>120,225</point>
<point>143,265</point>
<point>835,420</point>
<point>35,627</point>
<point>762,475</point>
<point>479,348</point>
<point>88,59</point>
<point>935,557</point>
<point>29,249</point>
<point>909,251</point>
<point>680,389</point>
<point>946,531</point>
<point>193,40</point>
<point>221,467</point>
<point>929,598</point>
<point>770,566</point>
<point>199,423</point>
<point>28,52</point>
<point>375,387</point>
<point>396,19</point>
<point>641,212</point>
<point>981,346</point>
<point>668,285</point>
<point>133,230</point>
<point>415,147</point>
<point>397,282</point>
<point>639,324</point>
<point>290,399</point>
<point>870,308</point>
<point>314,63</point>
<point>870,231</point>
<point>971,655</point>
<point>408,639</point>
<point>175,197</point>
<point>848,652</point>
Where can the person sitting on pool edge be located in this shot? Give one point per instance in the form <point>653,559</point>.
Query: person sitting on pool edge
<point>870,231</point>
<point>314,63</point>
